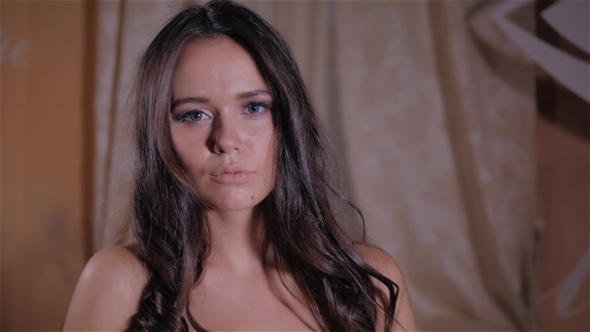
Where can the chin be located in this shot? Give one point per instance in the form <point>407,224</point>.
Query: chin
<point>231,206</point>
<point>233,200</point>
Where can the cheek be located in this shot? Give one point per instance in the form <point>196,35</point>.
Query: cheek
<point>261,140</point>
<point>260,132</point>
<point>189,146</point>
<point>264,146</point>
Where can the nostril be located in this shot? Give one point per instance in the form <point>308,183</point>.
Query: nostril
<point>227,138</point>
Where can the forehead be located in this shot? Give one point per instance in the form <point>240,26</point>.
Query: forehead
<point>215,67</point>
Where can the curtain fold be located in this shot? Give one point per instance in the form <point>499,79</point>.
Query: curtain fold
<point>440,142</point>
<point>490,121</point>
<point>432,129</point>
<point>124,30</point>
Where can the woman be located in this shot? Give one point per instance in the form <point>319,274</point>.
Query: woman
<point>233,222</point>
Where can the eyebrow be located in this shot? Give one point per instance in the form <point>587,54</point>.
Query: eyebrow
<point>249,94</point>
<point>189,100</point>
<point>202,100</point>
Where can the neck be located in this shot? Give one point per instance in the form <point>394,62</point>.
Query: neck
<point>236,239</point>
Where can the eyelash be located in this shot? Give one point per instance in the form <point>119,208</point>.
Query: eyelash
<point>256,104</point>
<point>185,116</point>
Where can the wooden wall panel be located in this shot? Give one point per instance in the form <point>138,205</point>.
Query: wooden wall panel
<point>42,226</point>
<point>563,205</point>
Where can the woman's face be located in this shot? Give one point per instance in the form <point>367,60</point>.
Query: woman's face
<point>221,124</point>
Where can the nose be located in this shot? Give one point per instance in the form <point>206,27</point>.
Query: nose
<point>226,136</point>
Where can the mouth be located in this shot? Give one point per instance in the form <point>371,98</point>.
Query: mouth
<point>232,175</point>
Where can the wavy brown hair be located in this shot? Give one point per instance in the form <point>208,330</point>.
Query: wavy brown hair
<point>169,222</point>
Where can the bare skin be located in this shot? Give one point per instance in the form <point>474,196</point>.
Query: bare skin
<point>221,127</point>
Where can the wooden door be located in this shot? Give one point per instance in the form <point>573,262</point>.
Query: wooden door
<point>43,167</point>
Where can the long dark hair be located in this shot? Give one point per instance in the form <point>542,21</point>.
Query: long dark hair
<point>169,223</point>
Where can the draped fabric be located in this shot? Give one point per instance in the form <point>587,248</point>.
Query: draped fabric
<point>124,30</point>
<point>431,112</point>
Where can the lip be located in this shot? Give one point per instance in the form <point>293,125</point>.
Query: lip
<point>232,174</point>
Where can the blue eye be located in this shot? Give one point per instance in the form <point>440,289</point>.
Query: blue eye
<point>194,116</point>
<point>254,108</point>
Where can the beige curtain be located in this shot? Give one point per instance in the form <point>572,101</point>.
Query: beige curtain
<point>431,112</point>
<point>124,30</point>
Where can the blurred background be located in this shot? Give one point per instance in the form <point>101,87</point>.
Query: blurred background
<point>461,127</point>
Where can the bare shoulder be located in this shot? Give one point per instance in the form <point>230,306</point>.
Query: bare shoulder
<point>108,291</point>
<point>381,261</point>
